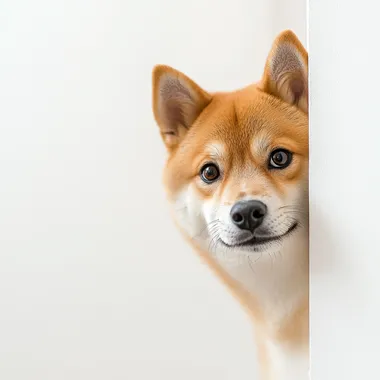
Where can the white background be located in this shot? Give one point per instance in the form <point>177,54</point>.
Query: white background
<point>344,191</point>
<point>95,282</point>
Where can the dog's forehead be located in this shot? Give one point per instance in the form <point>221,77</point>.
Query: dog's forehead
<point>247,121</point>
<point>224,126</point>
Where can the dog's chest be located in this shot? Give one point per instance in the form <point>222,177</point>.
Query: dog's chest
<point>277,295</point>
<point>285,363</point>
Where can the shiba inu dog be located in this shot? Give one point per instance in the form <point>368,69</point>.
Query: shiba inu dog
<point>237,183</point>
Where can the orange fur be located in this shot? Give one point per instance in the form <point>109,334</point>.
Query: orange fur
<point>243,127</point>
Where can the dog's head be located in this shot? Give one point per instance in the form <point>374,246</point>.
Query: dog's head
<point>237,172</point>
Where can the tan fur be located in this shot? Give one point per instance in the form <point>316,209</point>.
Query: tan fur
<point>247,125</point>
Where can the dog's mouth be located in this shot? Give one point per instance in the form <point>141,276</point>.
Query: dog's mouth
<point>261,240</point>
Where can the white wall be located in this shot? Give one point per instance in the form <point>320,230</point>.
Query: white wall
<point>344,191</point>
<point>95,282</point>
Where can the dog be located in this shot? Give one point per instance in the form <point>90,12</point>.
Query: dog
<point>236,179</point>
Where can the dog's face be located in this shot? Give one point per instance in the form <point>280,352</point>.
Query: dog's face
<point>237,173</point>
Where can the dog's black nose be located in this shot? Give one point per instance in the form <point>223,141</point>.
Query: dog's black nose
<point>248,215</point>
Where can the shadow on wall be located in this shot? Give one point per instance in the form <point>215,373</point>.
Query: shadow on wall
<point>323,260</point>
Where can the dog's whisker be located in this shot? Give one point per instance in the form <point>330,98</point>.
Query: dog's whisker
<point>209,226</point>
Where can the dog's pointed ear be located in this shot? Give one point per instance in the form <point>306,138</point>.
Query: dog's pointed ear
<point>177,103</point>
<point>286,71</point>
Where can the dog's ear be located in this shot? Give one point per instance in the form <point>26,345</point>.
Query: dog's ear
<point>286,71</point>
<point>177,102</point>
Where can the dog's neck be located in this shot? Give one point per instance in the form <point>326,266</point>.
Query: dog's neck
<point>276,288</point>
<point>276,280</point>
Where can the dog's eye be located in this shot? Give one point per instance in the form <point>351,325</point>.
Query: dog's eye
<point>280,159</point>
<point>210,173</point>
